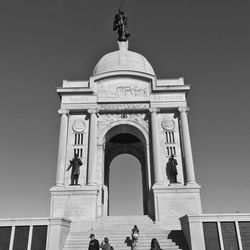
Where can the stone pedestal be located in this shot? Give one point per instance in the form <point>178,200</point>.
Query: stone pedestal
<point>77,203</point>
<point>57,233</point>
<point>193,232</point>
<point>173,202</point>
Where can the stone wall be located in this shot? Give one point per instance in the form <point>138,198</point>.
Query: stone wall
<point>33,233</point>
<point>217,231</point>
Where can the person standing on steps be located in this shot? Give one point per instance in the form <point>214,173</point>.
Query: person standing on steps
<point>155,245</point>
<point>135,236</point>
<point>105,245</point>
<point>94,243</point>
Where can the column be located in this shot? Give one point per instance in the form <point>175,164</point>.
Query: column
<point>13,229</point>
<point>188,158</point>
<point>220,235</point>
<point>158,178</point>
<point>92,146</point>
<point>62,147</point>
<point>238,235</point>
<point>30,237</point>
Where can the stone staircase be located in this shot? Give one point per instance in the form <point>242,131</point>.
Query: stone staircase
<point>118,229</point>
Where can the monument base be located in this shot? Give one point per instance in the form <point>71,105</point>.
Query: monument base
<point>173,202</point>
<point>77,203</point>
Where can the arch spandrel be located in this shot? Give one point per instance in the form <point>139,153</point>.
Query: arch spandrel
<point>123,126</point>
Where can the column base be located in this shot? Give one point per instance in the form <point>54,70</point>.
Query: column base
<point>59,185</point>
<point>92,184</point>
<point>191,183</point>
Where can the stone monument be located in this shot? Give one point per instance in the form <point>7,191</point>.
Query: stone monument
<point>124,99</point>
<point>124,108</point>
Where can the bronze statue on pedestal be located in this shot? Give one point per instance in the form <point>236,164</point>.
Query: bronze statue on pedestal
<point>121,25</point>
<point>171,169</point>
<point>75,164</point>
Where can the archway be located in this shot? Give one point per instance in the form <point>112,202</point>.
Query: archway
<point>127,139</point>
<point>125,186</point>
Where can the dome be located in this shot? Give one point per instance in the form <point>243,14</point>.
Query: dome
<point>123,59</point>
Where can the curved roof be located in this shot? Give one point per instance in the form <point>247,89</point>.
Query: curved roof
<point>123,59</point>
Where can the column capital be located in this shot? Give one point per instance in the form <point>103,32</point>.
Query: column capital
<point>154,110</point>
<point>63,111</point>
<point>183,109</point>
<point>93,110</point>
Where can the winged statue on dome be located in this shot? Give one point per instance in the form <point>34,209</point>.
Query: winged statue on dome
<point>121,25</point>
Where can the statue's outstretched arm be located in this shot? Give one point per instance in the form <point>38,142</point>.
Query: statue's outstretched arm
<point>69,167</point>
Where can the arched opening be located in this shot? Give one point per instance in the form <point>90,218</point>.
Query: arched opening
<point>126,161</point>
<point>125,187</point>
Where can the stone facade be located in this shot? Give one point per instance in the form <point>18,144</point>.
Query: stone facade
<point>125,102</point>
<point>119,99</point>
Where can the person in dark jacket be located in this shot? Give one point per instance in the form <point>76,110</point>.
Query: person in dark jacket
<point>155,245</point>
<point>94,243</point>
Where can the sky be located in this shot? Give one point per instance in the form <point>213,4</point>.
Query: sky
<point>43,42</point>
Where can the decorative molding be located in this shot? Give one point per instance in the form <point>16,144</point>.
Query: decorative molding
<point>79,126</point>
<point>183,109</point>
<point>93,110</point>
<point>116,90</point>
<point>168,124</point>
<point>107,119</point>
<point>63,111</point>
<point>154,110</point>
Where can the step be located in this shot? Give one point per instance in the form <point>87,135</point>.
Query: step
<point>118,230</point>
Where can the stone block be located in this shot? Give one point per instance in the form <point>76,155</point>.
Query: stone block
<point>76,203</point>
<point>175,201</point>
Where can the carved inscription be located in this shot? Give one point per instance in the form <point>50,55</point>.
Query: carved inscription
<point>167,98</point>
<point>78,99</point>
<point>124,106</point>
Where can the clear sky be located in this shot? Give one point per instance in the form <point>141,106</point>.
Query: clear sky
<point>43,42</point>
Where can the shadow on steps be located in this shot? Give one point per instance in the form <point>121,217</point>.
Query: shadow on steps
<point>178,238</point>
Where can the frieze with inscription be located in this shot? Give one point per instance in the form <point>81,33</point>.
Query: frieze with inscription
<point>78,99</point>
<point>124,106</point>
<point>169,97</point>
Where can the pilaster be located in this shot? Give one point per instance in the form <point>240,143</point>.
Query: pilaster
<point>62,147</point>
<point>92,147</point>
<point>158,178</point>
<point>187,154</point>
